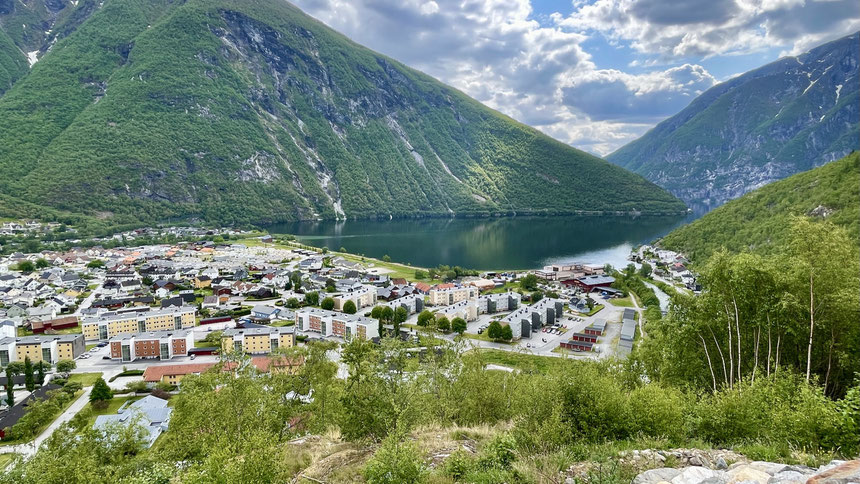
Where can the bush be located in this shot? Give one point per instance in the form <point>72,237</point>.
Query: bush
<point>312,298</point>
<point>349,307</point>
<point>498,453</point>
<point>138,386</point>
<point>100,394</point>
<point>658,412</point>
<point>327,303</point>
<point>394,462</point>
<point>72,387</point>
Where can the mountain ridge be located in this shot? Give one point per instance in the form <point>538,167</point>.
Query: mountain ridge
<point>788,116</point>
<point>254,112</point>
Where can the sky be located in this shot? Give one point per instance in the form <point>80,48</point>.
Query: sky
<point>596,74</point>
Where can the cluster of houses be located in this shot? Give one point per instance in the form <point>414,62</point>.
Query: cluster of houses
<point>585,340</point>
<point>667,264</point>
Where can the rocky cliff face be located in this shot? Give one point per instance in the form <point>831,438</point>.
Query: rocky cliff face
<point>789,116</point>
<point>237,111</point>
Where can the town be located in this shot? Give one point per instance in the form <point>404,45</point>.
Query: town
<point>140,318</point>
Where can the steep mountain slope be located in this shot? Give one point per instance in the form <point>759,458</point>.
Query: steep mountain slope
<point>238,111</point>
<point>760,219</point>
<point>789,116</point>
<point>13,63</point>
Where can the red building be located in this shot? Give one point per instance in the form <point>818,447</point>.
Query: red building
<point>577,345</point>
<point>590,283</point>
<point>590,338</point>
<point>39,327</point>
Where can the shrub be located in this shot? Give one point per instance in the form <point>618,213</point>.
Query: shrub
<point>657,412</point>
<point>498,453</point>
<point>395,462</point>
<point>327,303</point>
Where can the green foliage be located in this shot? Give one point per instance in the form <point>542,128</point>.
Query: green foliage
<point>349,307</point>
<point>458,325</point>
<point>494,330</point>
<point>529,282</point>
<point>425,318</point>
<point>443,324</point>
<point>29,378</point>
<point>327,303</point>
<point>293,303</point>
<point>506,333</point>
<point>25,266</point>
<point>759,221</point>
<point>100,393</point>
<point>395,462</point>
<point>312,298</point>
<point>65,366</point>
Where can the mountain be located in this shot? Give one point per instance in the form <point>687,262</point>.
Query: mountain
<point>759,220</point>
<point>251,111</point>
<point>786,117</point>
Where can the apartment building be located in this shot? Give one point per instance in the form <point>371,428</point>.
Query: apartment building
<point>452,295</point>
<point>331,323</point>
<point>108,325</point>
<point>467,310</point>
<point>362,297</point>
<point>47,348</point>
<point>528,319</point>
<point>257,341</point>
<point>162,345</point>
<point>413,303</point>
<point>497,303</point>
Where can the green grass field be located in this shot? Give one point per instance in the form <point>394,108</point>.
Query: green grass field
<point>112,407</point>
<point>85,379</point>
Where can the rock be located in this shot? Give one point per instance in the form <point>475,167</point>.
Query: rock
<point>844,473</point>
<point>720,464</point>
<point>767,467</point>
<point>788,476</point>
<point>695,475</point>
<point>748,473</point>
<point>695,461</point>
<point>655,476</point>
<point>570,480</point>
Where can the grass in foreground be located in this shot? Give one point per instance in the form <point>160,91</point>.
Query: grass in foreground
<point>113,405</point>
<point>521,361</point>
<point>85,379</point>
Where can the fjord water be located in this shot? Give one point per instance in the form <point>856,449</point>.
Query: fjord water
<point>488,243</point>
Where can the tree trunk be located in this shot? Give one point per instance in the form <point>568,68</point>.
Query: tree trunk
<point>811,326</point>
<point>738,329</point>
<point>757,339</point>
<point>768,345</point>
<point>710,366</point>
<point>829,358</point>
<point>778,340</point>
<point>722,358</point>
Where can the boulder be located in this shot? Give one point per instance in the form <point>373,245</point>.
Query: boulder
<point>695,475</point>
<point>844,473</point>
<point>748,473</point>
<point>655,476</point>
<point>789,476</point>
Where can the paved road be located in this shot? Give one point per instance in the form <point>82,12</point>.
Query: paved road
<point>29,449</point>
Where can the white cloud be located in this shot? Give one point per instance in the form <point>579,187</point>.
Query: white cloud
<point>540,74</point>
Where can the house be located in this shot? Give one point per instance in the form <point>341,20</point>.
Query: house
<point>201,282</point>
<point>529,319</point>
<point>39,327</point>
<point>8,329</point>
<point>210,302</point>
<point>466,309</point>
<point>496,303</point>
<point>42,313</point>
<point>414,303</point>
<point>597,328</point>
<point>150,412</point>
<point>48,348</point>
<point>361,296</point>
<point>576,345</point>
<point>452,295</point>
<point>173,374</point>
<point>264,313</point>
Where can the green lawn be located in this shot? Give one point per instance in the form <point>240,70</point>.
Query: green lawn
<point>113,405</point>
<point>483,337</point>
<point>511,359</point>
<point>624,302</point>
<point>85,379</point>
<point>279,324</point>
<point>5,460</point>
<point>507,287</point>
<point>593,311</point>
<point>127,373</point>
<point>91,346</point>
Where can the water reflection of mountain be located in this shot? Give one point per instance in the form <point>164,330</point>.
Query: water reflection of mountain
<point>488,243</point>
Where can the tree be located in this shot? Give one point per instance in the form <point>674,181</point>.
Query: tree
<point>458,325</point>
<point>507,333</point>
<point>432,274</point>
<point>29,379</point>
<point>288,286</point>
<point>450,275</point>
<point>400,316</point>
<point>16,367</point>
<point>296,278</point>
<point>443,324</point>
<point>327,303</point>
<point>42,263</point>
<point>95,264</point>
<point>529,282</point>
<point>65,366</point>
<point>40,374</point>
<point>494,331</point>
<point>645,270</point>
<point>387,314</point>
<point>25,266</point>
<point>10,392</point>
<point>425,318</point>
<point>386,258</point>
<point>419,274</point>
<point>376,312</point>
<point>293,303</point>
<point>349,307</point>
<point>312,298</point>
<point>101,394</point>
<point>536,296</point>
<point>325,250</point>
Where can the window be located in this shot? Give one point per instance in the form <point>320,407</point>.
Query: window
<point>165,351</point>
<point>4,357</point>
<point>46,355</point>
<point>103,332</point>
<point>177,322</point>
<point>141,326</point>
<point>275,344</point>
<point>126,353</point>
<point>237,346</point>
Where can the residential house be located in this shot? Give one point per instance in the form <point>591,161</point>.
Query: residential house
<point>48,348</point>
<point>162,345</point>
<point>258,340</point>
<point>108,325</point>
<point>150,413</point>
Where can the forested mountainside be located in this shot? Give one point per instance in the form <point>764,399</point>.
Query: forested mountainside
<point>236,111</point>
<point>786,117</point>
<point>760,219</point>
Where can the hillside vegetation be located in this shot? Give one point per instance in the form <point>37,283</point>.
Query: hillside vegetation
<point>760,220</point>
<point>237,111</point>
<point>783,118</point>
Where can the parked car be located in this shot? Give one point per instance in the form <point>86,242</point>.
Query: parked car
<point>193,356</point>
<point>105,357</point>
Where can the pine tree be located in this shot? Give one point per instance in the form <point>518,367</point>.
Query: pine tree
<point>40,375</point>
<point>101,394</point>
<point>10,391</point>
<point>29,380</point>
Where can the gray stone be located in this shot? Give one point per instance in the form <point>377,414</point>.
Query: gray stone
<point>788,476</point>
<point>695,475</point>
<point>656,475</point>
<point>767,467</point>
<point>748,474</point>
<point>721,464</point>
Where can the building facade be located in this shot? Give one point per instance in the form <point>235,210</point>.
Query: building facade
<point>331,323</point>
<point>47,348</point>
<point>162,345</point>
<point>109,325</point>
<point>497,303</point>
<point>452,295</point>
<point>257,341</point>
<point>362,297</point>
